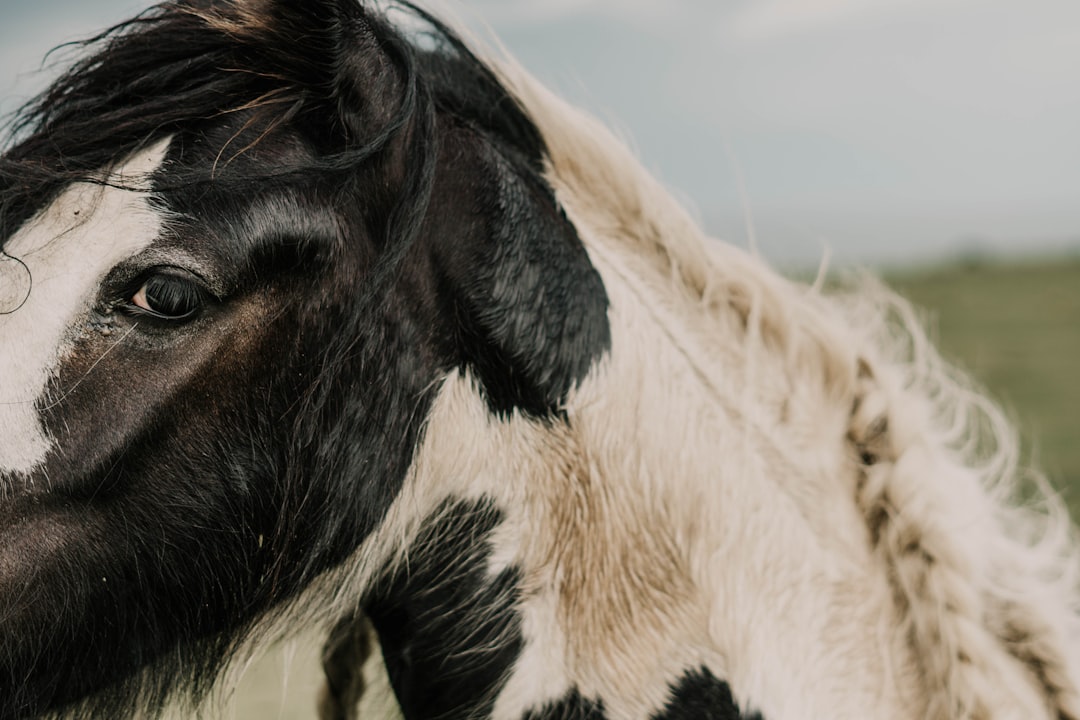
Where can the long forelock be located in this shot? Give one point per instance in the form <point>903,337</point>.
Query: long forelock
<point>168,68</point>
<point>175,67</point>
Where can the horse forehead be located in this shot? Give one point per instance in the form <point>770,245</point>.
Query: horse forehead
<point>50,274</point>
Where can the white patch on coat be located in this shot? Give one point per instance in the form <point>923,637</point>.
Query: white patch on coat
<point>68,248</point>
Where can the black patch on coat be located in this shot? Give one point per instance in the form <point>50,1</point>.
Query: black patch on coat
<point>531,308</point>
<point>530,311</point>
<point>571,707</point>
<point>449,631</point>
<point>699,695</point>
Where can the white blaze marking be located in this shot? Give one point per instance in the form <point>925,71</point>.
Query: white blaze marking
<point>68,248</point>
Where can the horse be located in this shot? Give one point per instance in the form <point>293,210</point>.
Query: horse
<point>313,316</point>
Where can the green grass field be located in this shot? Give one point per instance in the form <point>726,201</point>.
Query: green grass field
<point>1016,329</point>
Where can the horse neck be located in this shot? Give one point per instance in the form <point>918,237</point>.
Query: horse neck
<point>543,541</point>
<point>721,493</point>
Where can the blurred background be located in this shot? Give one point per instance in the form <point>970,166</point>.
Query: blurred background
<point>937,141</point>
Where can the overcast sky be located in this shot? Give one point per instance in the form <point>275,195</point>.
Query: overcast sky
<point>888,130</point>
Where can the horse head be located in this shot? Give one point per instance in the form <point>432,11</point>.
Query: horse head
<point>248,242</point>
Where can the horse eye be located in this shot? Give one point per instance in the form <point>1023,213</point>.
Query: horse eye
<point>169,296</point>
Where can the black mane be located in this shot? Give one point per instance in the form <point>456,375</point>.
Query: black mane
<point>184,63</point>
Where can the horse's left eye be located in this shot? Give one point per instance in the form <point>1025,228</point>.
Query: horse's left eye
<point>169,295</point>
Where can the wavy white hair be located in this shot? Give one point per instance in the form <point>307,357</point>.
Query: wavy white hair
<point>981,556</point>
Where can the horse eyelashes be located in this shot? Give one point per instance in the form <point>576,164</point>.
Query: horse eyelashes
<point>169,296</point>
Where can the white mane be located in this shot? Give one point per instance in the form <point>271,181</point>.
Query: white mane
<point>982,569</point>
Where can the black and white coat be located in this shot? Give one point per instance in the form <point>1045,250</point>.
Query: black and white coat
<point>307,319</point>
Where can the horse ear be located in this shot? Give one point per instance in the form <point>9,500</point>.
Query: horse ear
<point>531,307</point>
<point>338,53</point>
